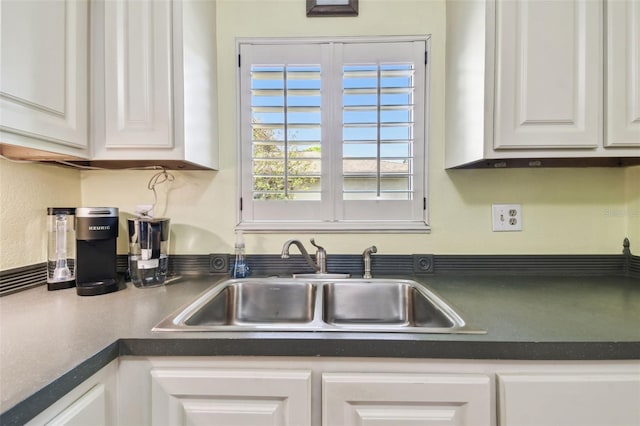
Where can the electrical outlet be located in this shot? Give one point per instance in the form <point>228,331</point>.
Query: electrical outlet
<point>507,217</point>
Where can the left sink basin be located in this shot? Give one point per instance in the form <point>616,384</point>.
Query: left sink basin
<point>248,302</point>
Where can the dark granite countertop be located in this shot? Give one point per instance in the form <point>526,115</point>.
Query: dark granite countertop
<point>52,341</point>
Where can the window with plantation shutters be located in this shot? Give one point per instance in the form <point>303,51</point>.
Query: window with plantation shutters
<point>333,134</point>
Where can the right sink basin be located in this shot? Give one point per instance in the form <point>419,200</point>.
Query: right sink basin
<point>383,303</point>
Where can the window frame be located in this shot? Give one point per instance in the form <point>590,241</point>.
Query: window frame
<point>306,222</point>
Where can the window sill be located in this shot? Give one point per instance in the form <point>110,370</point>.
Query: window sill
<point>377,227</point>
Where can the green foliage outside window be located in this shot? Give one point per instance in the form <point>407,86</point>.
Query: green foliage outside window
<point>269,168</point>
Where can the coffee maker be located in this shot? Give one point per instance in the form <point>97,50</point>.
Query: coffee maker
<point>96,251</point>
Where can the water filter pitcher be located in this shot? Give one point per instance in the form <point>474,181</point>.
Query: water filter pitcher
<point>148,251</point>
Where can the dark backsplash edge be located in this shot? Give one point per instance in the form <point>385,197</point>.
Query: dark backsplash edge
<point>634,267</point>
<point>23,278</point>
<point>626,264</point>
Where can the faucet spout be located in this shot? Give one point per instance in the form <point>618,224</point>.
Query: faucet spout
<point>305,254</point>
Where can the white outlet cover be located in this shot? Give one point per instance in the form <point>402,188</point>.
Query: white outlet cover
<point>506,217</point>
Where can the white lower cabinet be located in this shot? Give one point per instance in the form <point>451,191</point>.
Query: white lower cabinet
<point>93,402</point>
<point>404,399</point>
<point>581,399</point>
<point>214,396</point>
<point>90,408</point>
<point>300,391</point>
<point>372,391</point>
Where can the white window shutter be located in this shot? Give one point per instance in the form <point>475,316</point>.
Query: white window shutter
<point>333,135</point>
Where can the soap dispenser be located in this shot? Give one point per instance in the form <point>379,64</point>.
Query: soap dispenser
<point>240,267</point>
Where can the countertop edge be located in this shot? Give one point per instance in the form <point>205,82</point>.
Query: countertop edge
<point>301,345</point>
<point>33,405</point>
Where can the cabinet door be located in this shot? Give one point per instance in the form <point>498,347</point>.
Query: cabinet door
<point>399,399</point>
<point>587,399</point>
<point>137,78</point>
<point>206,396</point>
<point>43,89</point>
<point>90,408</point>
<point>92,402</point>
<point>548,74</point>
<point>623,74</point>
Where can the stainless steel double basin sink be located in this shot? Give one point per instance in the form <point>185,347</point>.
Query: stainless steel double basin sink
<point>318,304</point>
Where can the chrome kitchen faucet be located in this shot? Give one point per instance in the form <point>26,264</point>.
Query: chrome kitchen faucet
<point>320,265</point>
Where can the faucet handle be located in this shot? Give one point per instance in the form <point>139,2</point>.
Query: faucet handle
<point>313,243</point>
<point>321,257</point>
<point>369,250</point>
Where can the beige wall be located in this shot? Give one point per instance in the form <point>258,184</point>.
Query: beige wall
<point>632,213</point>
<point>564,210</point>
<point>26,190</point>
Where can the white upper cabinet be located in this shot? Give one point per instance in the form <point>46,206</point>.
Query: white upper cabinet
<point>623,74</point>
<point>526,80</point>
<point>44,71</point>
<point>154,83</point>
<point>137,75</point>
<point>149,99</point>
<point>548,74</point>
